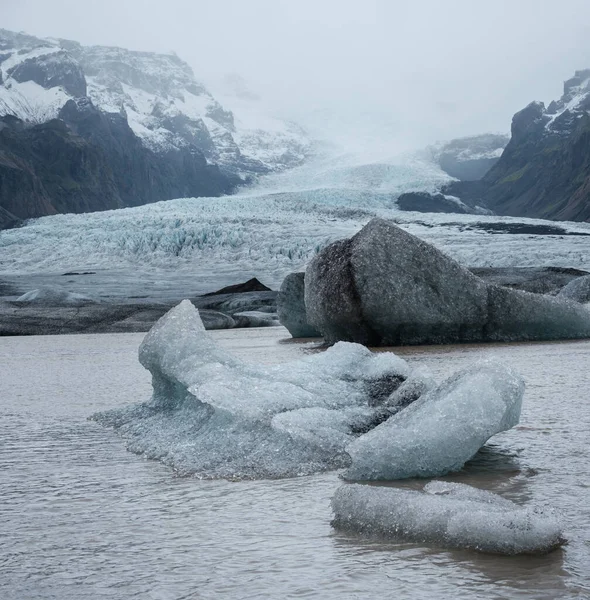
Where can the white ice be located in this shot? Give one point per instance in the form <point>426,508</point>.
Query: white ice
<point>216,416</point>
<point>447,515</point>
<point>443,429</point>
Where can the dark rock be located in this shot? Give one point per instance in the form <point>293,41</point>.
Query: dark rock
<point>240,302</point>
<point>470,158</point>
<point>252,285</point>
<point>291,307</point>
<point>52,70</point>
<point>430,203</point>
<point>386,287</point>
<point>544,171</point>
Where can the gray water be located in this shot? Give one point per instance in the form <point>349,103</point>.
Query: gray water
<point>80,517</point>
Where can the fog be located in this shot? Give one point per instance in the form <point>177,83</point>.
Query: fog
<point>402,73</point>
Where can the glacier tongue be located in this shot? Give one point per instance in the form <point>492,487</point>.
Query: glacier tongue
<point>447,514</point>
<point>214,416</point>
<point>443,429</point>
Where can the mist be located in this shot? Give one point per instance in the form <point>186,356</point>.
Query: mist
<point>372,73</point>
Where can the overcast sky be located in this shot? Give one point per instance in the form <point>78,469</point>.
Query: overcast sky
<point>418,70</point>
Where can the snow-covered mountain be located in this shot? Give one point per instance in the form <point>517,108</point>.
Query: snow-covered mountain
<point>165,105</point>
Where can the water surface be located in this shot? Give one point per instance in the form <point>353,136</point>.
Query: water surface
<point>80,517</point>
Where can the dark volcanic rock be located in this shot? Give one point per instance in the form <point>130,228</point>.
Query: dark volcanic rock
<point>291,307</point>
<point>252,285</point>
<point>544,171</point>
<point>430,203</point>
<point>470,158</point>
<point>52,70</point>
<point>386,287</point>
<point>240,302</point>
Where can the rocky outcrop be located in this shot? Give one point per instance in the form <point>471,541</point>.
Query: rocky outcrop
<point>470,158</point>
<point>384,286</point>
<point>431,203</point>
<point>89,160</point>
<point>291,307</point>
<point>252,285</point>
<point>544,171</point>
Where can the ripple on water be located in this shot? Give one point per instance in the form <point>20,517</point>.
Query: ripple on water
<point>84,519</point>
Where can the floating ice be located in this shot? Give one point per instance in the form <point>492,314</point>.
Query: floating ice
<point>447,514</point>
<point>443,429</point>
<point>215,416</point>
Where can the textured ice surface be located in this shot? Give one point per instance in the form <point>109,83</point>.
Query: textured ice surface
<point>577,290</point>
<point>54,295</point>
<point>443,429</point>
<point>449,515</point>
<point>216,416</point>
<point>386,287</point>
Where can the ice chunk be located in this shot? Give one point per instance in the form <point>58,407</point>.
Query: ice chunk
<point>448,515</point>
<point>54,295</point>
<point>577,290</point>
<point>386,287</point>
<point>215,416</point>
<point>443,429</point>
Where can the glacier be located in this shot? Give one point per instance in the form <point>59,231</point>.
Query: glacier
<point>447,515</point>
<point>443,428</point>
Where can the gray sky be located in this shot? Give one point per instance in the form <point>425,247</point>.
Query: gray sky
<point>415,70</point>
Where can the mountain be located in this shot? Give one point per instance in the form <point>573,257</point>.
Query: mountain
<point>92,128</point>
<point>544,170</point>
<point>470,158</point>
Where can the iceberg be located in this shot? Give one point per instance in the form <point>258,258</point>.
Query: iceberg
<point>440,431</point>
<point>448,515</point>
<point>213,415</point>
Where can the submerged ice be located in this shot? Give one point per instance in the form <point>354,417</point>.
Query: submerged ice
<point>448,515</point>
<point>215,416</point>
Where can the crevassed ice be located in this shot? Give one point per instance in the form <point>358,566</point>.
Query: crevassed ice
<point>448,515</point>
<point>215,416</point>
<point>443,429</point>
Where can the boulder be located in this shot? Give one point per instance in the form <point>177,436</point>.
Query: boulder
<point>577,290</point>
<point>252,285</point>
<point>291,307</point>
<point>386,287</point>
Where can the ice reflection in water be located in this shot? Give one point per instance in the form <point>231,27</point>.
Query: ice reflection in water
<point>82,518</point>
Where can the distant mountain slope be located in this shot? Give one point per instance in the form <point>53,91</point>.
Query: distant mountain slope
<point>470,158</point>
<point>136,127</point>
<point>544,171</point>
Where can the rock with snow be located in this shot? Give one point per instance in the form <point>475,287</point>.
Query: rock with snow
<point>450,515</point>
<point>215,416</point>
<point>53,295</point>
<point>384,286</point>
<point>441,430</point>
<point>158,94</point>
<point>577,290</point>
<point>432,203</point>
<point>291,307</point>
<point>470,158</point>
